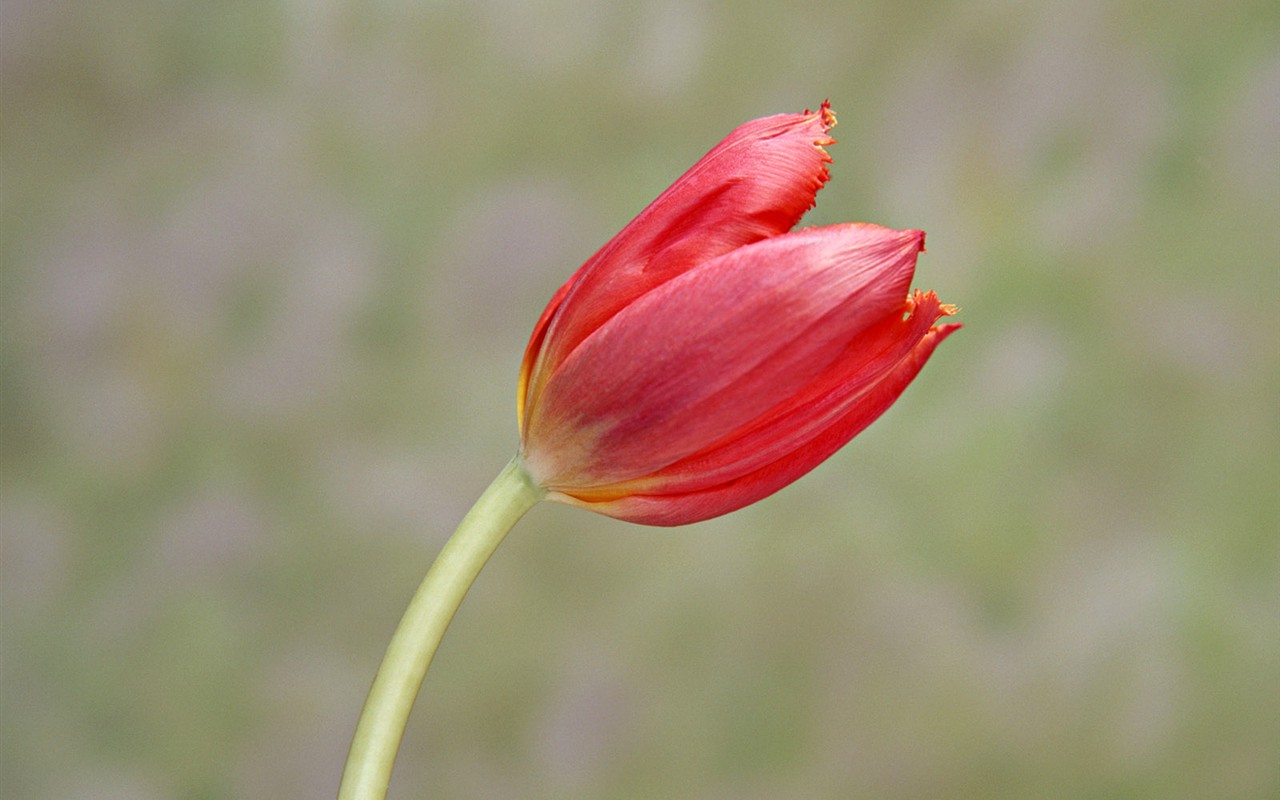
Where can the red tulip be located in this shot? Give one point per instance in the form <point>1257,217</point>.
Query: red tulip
<point>707,355</point>
<point>704,358</point>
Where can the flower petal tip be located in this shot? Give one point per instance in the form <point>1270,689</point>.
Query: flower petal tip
<point>826,119</point>
<point>828,116</point>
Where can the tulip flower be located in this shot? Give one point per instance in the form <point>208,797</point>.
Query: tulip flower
<point>704,358</point>
<point>707,356</point>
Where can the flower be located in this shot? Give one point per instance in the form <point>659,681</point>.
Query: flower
<point>708,355</point>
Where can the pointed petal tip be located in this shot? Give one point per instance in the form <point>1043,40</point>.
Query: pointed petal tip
<point>905,238</point>
<point>943,331</point>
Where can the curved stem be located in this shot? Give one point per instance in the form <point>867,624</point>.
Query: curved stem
<point>386,710</point>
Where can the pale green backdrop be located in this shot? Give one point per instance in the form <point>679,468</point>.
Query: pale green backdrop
<point>268,270</point>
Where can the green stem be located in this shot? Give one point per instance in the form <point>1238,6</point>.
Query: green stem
<point>386,710</point>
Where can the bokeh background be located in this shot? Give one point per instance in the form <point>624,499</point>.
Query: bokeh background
<point>268,271</point>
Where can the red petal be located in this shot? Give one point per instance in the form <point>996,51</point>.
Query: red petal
<point>792,424</point>
<point>755,184</point>
<point>681,495</point>
<point>697,359</point>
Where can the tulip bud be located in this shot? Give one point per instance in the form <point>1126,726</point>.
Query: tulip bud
<point>708,355</point>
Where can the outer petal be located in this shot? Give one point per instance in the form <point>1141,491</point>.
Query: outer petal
<point>665,507</point>
<point>793,424</point>
<point>755,184</point>
<point>702,356</point>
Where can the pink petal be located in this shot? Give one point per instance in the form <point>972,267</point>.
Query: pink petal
<point>662,508</point>
<point>793,423</point>
<point>755,184</point>
<point>700,357</point>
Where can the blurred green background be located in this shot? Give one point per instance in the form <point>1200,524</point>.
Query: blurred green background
<point>268,272</point>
